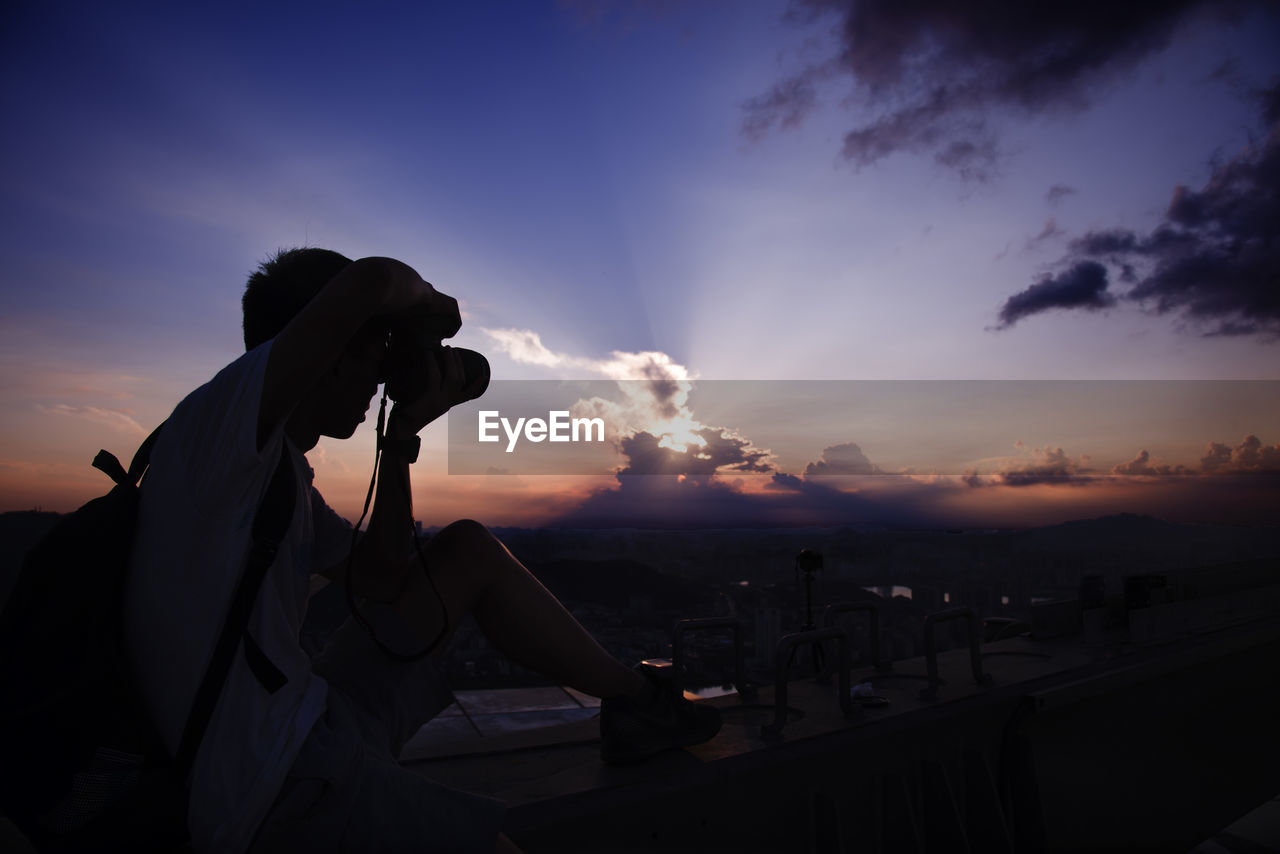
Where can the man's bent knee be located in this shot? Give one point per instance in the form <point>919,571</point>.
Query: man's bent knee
<point>461,538</point>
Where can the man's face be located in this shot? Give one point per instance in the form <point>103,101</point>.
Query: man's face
<point>345,393</point>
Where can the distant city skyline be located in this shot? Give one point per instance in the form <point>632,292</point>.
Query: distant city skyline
<point>624,191</point>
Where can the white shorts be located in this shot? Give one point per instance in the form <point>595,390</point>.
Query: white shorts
<point>346,790</point>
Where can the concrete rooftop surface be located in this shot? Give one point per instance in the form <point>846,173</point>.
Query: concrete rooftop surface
<point>1123,727</point>
<point>1144,736</point>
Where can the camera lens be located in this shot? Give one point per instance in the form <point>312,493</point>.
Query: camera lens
<point>475,369</point>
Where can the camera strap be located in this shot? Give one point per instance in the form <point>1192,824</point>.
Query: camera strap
<point>352,605</point>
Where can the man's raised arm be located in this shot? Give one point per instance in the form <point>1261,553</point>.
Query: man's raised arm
<point>314,339</point>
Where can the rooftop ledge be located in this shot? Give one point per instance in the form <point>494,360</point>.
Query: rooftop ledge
<point>1074,741</point>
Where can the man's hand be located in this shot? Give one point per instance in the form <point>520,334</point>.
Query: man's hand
<point>413,296</point>
<point>445,379</point>
<point>313,341</point>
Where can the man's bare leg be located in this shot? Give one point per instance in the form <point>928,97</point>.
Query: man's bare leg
<point>476,574</point>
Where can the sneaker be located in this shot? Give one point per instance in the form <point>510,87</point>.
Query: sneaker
<point>633,730</point>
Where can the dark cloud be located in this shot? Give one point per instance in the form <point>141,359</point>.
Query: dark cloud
<point>689,490</point>
<point>1083,285</point>
<point>974,157</point>
<point>787,501</point>
<point>1113,242</point>
<point>1050,231</point>
<point>723,453</point>
<point>1251,456</point>
<point>1058,193</point>
<point>1214,260</point>
<point>933,70</point>
<point>699,502</point>
<point>1228,71</point>
<point>664,385</point>
<point>1140,466</point>
<point>845,459</point>
<point>693,503</point>
<point>1043,465</point>
<point>785,105</point>
<point>1269,102</point>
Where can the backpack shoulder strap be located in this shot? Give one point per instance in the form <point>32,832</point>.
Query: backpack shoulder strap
<point>107,462</point>
<point>142,458</point>
<point>270,525</point>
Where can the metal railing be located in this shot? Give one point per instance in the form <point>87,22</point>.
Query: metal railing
<point>745,690</point>
<point>833,612</point>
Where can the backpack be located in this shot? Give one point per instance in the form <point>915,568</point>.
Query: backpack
<point>84,768</point>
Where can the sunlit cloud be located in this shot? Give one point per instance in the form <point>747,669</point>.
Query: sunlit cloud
<point>1144,466</point>
<point>115,418</point>
<point>1251,456</point>
<point>1032,467</point>
<point>320,458</point>
<point>525,346</point>
<point>698,480</point>
<point>654,410</point>
<point>842,459</point>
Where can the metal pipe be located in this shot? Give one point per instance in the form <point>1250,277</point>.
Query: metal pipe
<point>931,648</point>
<point>786,646</point>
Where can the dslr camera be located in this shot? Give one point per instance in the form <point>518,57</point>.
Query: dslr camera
<point>415,339</point>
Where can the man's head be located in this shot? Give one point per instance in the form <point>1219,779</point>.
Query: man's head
<point>281,286</point>
<point>276,292</point>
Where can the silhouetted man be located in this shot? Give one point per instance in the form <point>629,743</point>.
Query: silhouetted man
<point>309,763</point>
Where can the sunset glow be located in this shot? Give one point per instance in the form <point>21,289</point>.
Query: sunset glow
<point>641,196</point>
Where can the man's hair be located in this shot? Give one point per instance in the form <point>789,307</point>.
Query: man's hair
<point>281,286</point>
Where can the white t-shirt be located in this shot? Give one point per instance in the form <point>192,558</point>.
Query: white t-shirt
<point>199,499</point>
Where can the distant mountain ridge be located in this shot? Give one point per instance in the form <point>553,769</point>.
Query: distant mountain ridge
<point>1117,529</point>
<point>612,578</point>
<point>611,582</point>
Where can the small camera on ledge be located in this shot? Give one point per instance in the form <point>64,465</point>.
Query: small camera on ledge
<point>808,561</point>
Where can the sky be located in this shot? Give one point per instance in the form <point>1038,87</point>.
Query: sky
<point>666,193</point>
